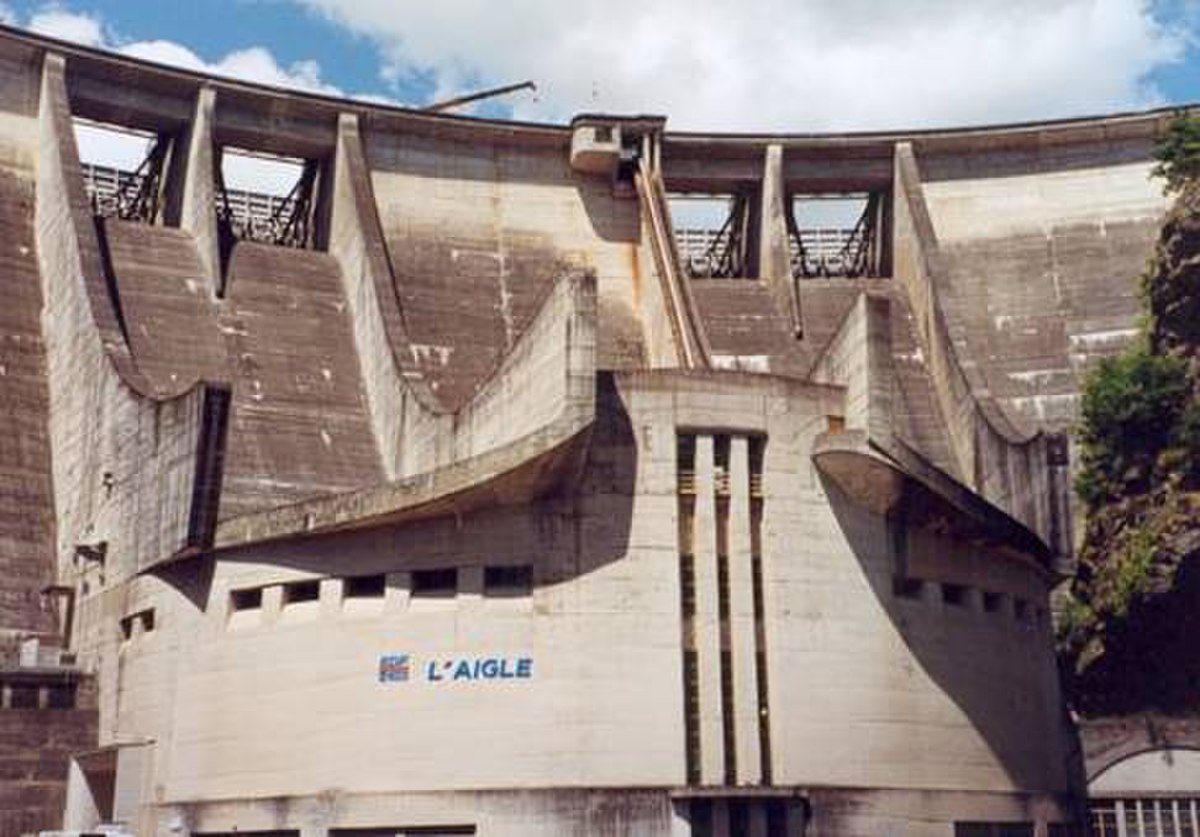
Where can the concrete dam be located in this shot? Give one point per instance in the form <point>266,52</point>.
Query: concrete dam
<point>520,479</point>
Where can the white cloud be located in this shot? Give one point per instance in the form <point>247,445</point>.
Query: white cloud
<point>781,64</point>
<point>65,25</point>
<point>255,63</point>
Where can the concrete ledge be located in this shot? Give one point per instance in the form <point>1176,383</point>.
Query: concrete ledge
<point>878,477</point>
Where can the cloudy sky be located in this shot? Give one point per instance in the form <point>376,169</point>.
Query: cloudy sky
<point>787,65</point>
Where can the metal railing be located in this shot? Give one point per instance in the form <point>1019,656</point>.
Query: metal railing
<point>252,216</point>
<point>700,250</point>
<point>826,252</point>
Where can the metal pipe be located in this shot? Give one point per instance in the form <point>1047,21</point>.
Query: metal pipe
<point>458,101</point>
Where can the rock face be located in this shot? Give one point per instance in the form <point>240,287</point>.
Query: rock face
<point>1173,285</point>
<point>1132,603</point>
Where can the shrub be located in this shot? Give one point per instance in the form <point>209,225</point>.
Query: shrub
<point>1178,152</point>
<point>1131,410</point>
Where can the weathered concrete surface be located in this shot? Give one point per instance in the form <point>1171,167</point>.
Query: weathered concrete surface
<point>299,425</point>
<point>26,490</point>
<point>1009,466</point>
<point>1044,266</point>
<point>36,746</point>
<point>489,369</point>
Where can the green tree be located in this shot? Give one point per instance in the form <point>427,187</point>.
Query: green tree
<point>1178,152</point>
<point>1131,410</point>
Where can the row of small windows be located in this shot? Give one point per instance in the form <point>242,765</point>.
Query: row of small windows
<point>37,695</point>
<point>501,581</point>
<point>959,595</point>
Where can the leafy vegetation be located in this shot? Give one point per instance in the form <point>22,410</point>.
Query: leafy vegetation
<point>1132,409</point>
<point>1124,626</point>
<point>1178,152</point>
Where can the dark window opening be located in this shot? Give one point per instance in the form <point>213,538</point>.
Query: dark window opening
<point>700,817</point>
<point>716,236</point>
<point>23,696</point>
<point>301,591</point>
<point>60,696</point>
<point>433,584</point>
<point>839,235</point>
<point>247,599</point>
<point>993,829</point>
<point>508,581</point>
<point>777,818</point>
<point>143,617</point>
<point>954,594</point>
<point>992,602</point>
<point>907,588</point>
<point>1021,610</point>
<point>739,818</point>
<point>364,587</point>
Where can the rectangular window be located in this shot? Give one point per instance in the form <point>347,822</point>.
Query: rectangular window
<point>441,583</point>
<point>364,587</point>
<point>249,598</point>
<point>907,588</point>
<point>954,594</point>
<point>301,591</point>
<point>508,581</point>
<point>992,602</point>
<point>23,696</point>
<point>993,829</point>
<point>1021,610</point>
<point>144,618</point>
<point>60,696</point>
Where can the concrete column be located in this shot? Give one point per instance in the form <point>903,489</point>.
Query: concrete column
<point>272,603</point>
<point>397,591</point>
<point>774,256</point>
<point>332,593</point>
<point>741,613</point>
<point>707,621</point>
<point>197,205</point>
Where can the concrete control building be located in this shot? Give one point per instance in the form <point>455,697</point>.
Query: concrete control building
<point>484,484</point>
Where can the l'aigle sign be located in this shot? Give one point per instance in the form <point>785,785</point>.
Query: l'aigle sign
<point>397,668</point>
